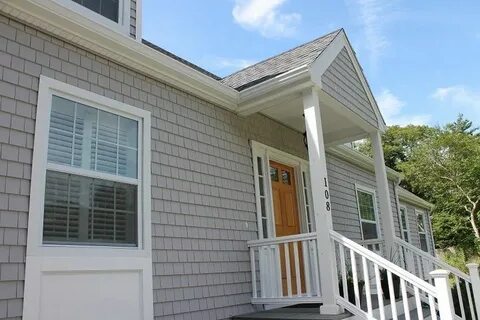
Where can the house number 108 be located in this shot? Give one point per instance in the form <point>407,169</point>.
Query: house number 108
<point>327,195</point>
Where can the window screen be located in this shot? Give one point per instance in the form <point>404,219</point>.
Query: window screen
<point>85,202</point>
<point>366,207</point>
<point>422,232</point>
<point>404,222</point>
<point>107,8</point>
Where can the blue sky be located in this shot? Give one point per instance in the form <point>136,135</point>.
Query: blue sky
<point>421,58</point>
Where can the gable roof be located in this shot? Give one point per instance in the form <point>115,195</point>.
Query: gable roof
<point>286,61</point>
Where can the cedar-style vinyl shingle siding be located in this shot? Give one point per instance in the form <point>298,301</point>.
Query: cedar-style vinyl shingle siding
<point>203,205</point>
<point>203,202</point>
<point>413,226</point>
<point>341,81</point>
<point>133,18</point>
<point>343,176</point>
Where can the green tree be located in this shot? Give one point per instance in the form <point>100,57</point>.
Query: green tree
<point>398,143</point>
<point>446,169</point>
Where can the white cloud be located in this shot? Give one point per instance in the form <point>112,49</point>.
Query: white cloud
<point>458,96</point>
<point>391,107</point>
<point>264,16</point>
<point>373,17</point>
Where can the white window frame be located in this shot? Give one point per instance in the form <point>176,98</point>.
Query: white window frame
<point>47,258</point>
<point>123,24</point>
<point>407,222</point>
<point>299,165</point>
<point>425,232</point>
<point>365,189</point>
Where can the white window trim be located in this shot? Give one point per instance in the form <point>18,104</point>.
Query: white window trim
<point>362,188</point>
<point>123,24</point>
<point>299,165</point>
<point>419,212</point>
<point>43,258</point>
<point>407,221</point>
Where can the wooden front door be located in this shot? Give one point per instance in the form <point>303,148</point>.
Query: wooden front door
<point>287,220</point>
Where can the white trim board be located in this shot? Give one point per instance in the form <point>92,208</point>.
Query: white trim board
<point>48,264</point>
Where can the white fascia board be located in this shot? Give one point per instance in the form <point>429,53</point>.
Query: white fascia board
<point>407,196</point>
<point>72,26</point>
<point>257,97</point>
<point>363,161</point>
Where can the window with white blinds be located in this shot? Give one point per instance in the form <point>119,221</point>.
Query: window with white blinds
<point>91,191</point>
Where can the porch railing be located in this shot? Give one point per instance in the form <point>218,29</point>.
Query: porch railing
<point>421,263</point>
<point>285,269</point>
<point>354,262</point>
<point>375,245</point>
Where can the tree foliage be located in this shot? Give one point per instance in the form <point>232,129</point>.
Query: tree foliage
<point>442,165</point>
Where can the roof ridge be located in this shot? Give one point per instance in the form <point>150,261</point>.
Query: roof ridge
<point>284,52</point>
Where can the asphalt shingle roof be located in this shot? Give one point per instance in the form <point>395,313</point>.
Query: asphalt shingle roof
<point>286,61</point>
<point>185,62</point>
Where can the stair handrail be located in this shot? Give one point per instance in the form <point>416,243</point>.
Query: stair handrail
<point>435,260</point>
<point>284,239</point>
<point>384,263</point>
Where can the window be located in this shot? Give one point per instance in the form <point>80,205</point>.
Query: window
<point>367,210</point>
<point>422,233</point>
<point>404,223</point>
<point>107,8</point>
<point>93,180</point>
<point>262,197</point>
<point>308,207</point>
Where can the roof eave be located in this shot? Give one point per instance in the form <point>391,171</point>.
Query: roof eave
<point>66,24</point>
<point>407,196</point>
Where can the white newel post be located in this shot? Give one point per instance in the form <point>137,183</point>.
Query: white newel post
<point>383,193</point>
<point>444,294</point>
<point>475,279</point>
<point>321,202</point>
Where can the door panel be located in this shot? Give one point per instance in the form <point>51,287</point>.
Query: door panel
<point>287,221</point>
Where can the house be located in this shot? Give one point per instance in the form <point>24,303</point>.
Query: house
<point>136,185</point>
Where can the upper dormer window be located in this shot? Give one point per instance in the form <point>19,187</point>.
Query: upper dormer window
<point>107,8</point>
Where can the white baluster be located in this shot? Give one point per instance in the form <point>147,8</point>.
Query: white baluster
<point>418,303</point>
<point>316,271</point>
<point>306,266</point>
<point>392,295</point>
<point>470,300</point>
<point>433,310</point>
<point>355,278</point>
<point>297,269</point>
<point>406,309</point>
<point>343,267</point>
<point>368,294</point>
<point>254,272</point>
<point>379,292</point>
<point>287,269</point>
<point>475,278</point>
<point>459,296</point>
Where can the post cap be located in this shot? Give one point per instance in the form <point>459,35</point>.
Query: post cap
<point>440,273</point>
<point>472,265</point>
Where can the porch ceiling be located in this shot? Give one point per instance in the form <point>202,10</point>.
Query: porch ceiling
<point>337,128</point>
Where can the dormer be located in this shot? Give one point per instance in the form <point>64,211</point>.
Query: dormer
<point>123,16</point>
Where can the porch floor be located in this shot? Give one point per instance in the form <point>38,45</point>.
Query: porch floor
<point>299,312</point>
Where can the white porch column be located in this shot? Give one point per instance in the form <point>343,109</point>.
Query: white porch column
<point>383,193</point>
<point>321,202</point>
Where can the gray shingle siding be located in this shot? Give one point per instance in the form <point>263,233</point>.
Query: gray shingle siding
<point>343,176</point>
<point>133,18</point>
<point>413,226</point>
<point>341,81</point>
<point>203,204</point>
<point>203,207</point>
